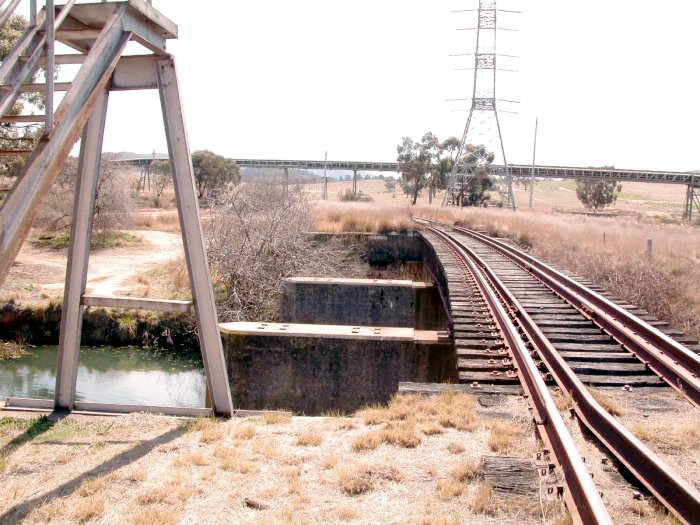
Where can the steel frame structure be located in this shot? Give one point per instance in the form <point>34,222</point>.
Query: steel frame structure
<point>100,33</point>
<point>483,101</point>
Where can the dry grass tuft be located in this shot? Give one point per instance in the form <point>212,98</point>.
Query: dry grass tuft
<point>354,480</point>
<point>373,415</point>
<point>232,460</point>
<point>455,447</point>
<point>366,441</point>
<point>92,487</point>
<point>200,423</point>
<point>449,488</point>
<point>432,428</point>
<point>213,434</point>
<point>310,438</point>
<point>153,496</point>
<point>467,470</point>
<point>341,423</point>
<point>482,500</point>
<point>191,459</point>
<point>562,401</point>
<point>329,462</point>
<point>502,436</point>
<point>402,434</point>
<point>676,437</point>
<point>87,509</point>
<point>359,478</point>
<point>156,516</point>
<point>276,418</point>
<point>606,402</point>
<point>439,520</point>
<point>347,514</point>
<point>245,431</point>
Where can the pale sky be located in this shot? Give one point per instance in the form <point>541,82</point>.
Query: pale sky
<point>612,82</point>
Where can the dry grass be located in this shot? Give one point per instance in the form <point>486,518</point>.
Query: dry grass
<point>482,500</point>
<point>366,441</point>
<point>276,418</point>
<point>606,402</point>
<point>158,221</point>
<point>155,516</point>
<point>664,285</point>
<point>244,431</point>
<point>403,434</point>
<point>357,479</point>
<point>449,488</point>
<point>88,509</point>
<point>467,470</point>
<point>163,470</point>
<point>310,438</point>
<point>562,401</point>
<point>504,435</point>
<point>456,448</point>
<point>675,437</point>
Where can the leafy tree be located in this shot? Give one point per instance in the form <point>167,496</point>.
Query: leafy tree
<point>212,171</point>
<point>597,194</point>
<point>162,177</point>
<point>17,136</point>
<point>390,184</point>
<point>417,162</point>
<point>473,193</point>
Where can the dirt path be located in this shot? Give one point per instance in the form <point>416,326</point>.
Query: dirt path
<point>39,273</point>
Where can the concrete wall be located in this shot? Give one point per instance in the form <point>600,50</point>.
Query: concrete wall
<point>316,368</point>
<point>362,302</point>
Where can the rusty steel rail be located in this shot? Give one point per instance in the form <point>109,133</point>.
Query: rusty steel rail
<point>583,499</point>
<point>669,359</point>
<point>677,495</point>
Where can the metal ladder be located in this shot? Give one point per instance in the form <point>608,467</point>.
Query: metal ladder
<point>99,32</point>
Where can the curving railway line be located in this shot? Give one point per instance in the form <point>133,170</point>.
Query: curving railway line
<point>518,323</point>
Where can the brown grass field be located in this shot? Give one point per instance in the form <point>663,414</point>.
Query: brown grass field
<point>607,250</point>
<point>417,460</point>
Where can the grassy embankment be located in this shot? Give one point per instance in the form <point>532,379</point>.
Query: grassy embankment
<point>610,252</point>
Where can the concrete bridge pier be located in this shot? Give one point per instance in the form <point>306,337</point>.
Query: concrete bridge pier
<point>354,182</point>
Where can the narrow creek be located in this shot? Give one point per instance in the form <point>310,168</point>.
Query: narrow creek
<point>111,375</point>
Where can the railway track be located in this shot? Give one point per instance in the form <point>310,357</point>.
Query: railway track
<point>518,323</point>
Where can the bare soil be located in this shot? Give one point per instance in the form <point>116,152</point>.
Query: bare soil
<point>38,274</point>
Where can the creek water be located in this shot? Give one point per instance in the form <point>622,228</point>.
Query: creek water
<point>111,375</point>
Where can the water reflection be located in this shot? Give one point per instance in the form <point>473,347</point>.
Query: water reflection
<point>111,375</point>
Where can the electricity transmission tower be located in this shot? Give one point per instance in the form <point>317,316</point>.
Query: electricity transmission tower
<point>483,129</point>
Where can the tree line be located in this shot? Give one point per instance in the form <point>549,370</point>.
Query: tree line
<point>428,162</point>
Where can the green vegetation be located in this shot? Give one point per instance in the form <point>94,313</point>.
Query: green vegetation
<point>428,163</point>
<point>349,196</point>
<point>212,171</point>
<point>597,194</point>
<point>11,350</point>
<point>100,240</point>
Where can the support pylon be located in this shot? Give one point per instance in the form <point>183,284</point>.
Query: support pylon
<point>482,142</point>
<point>101,31</point>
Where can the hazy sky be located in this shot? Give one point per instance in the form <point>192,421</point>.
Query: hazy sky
<point>612,82</point>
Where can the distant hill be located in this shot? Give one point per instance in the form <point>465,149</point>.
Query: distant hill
<point>131,155</point>
<point>295,176</point>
